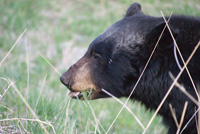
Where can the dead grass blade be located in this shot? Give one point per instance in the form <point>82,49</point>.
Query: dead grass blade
<point>184,90</point>
<point>136,118</point>
<point>139,77</point>
<point>5,80</point>
<point>190,120</point>
<point>171,87</point>
<point>67,113</point>
<point>95,125</point>
<point>51,65</point>
<point>196,120</point>
<point>31,110</point>
<point>45,77</point>
<point>19,127</point>
<point>190,97</point>
<point>181,56</point>
<point>23,127</point>
<point>34,120</point>
<point>12,48</point>
<point>173,114</point>
<point>96,120</point>
<point>27,64</point>
<point>9,85</point>
<point>182,117</point>
<point>7,108</point>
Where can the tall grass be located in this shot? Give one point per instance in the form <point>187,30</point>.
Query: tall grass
<point>57,35</point>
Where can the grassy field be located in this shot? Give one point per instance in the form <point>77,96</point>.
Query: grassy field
<point>57,33</point>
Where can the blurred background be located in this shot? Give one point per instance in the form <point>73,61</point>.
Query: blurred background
<point>57,33</point>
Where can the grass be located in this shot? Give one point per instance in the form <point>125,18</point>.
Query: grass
<point>60,31</point>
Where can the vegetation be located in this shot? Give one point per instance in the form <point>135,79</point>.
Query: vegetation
<point>57,34</point>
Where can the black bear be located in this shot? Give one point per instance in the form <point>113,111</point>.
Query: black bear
<point>116,58</point>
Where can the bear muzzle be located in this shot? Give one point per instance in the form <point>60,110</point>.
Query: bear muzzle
<point>78,80</point>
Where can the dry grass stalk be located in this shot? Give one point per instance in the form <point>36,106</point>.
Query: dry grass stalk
<point>19,127</point>
<point>7,108</point>
<point>190,97</point>
<point>31,110</point>
<point>136,118</point>
<point>23,127</point>
<point>139,77</point>
<point>66,113</point>
<point>196,120</point>
<point>34,120</point>
<point>182,117</point>
<point>5,80</point>
<point>27,64</point>
<point>45,77</point>
<point>173,112</point>
<point>186,68</point>
<point>9,85</point>
<point>190,120</point>
<point>12,47</point>
<point>56,70</point>
<point>95,125</point>
<point>171,87</point>
<point>181,56</point>
<point>97,121</point>
<point>184,90</point>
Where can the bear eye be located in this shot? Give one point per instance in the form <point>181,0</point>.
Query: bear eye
<point>97,56</point>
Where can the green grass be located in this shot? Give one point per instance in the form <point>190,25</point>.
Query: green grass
<point>61,31</point>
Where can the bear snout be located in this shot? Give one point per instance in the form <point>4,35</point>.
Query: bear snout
<point>66,79</point>
<point>64,82</point>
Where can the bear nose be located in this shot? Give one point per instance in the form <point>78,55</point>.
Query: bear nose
<point>65,81</point>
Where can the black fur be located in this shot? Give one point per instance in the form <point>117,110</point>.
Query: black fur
<point>123,50</point>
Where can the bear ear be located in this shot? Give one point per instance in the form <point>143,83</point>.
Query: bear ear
<point>135,8</point>
<point>166,40</point>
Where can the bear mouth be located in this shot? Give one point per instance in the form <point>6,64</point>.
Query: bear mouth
<point>75,94</point>
<point>87,94</point>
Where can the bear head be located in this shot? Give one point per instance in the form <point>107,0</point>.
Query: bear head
<point>115,59</point>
